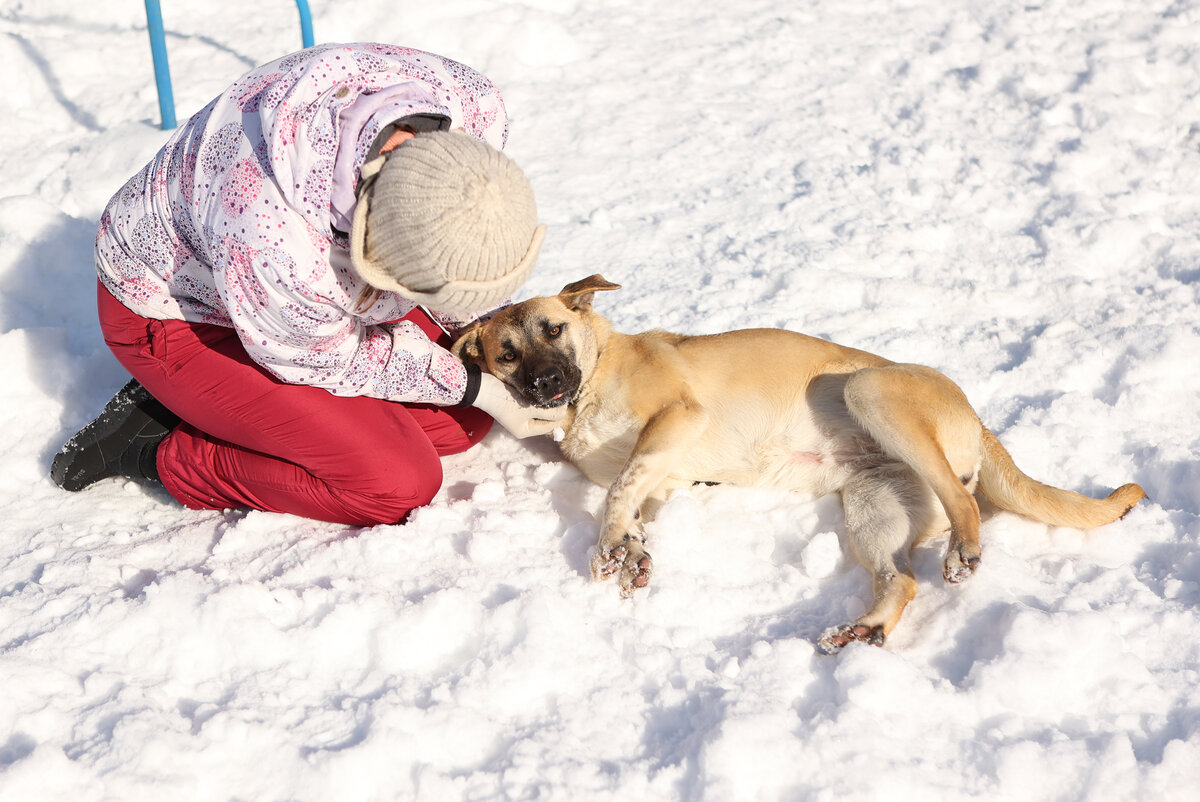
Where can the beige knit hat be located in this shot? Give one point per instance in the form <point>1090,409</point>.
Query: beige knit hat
<point>446,221</point>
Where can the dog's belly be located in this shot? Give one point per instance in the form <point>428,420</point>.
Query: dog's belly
<point>807,463</point>
<point>789,452</point>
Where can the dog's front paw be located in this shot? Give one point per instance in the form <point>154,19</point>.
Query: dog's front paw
<point>606,562</point>
<point>961,561</point>
<point>635,574</point>
<point>629,563</point>
<point>833,639</point>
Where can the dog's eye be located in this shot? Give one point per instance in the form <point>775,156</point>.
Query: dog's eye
<point>554,331</point>
<point>508,356</point>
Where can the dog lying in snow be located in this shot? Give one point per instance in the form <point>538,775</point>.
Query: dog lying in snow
<point>655,411</point>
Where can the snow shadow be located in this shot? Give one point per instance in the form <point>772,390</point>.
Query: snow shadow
<point>48,291</point>
<point>52,284</point>
<point>979,639</point>
<point>78,114</point>
<point>675,736</point>
<point>49,325</point>
<point>1170,569</point>
<point>42,27</point>
<point>18,747</point>
<point>1172,484</point>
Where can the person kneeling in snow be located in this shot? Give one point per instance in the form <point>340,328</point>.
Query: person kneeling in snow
<point>262,279</point>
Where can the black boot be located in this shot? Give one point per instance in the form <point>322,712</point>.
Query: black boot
<point>122,441</point>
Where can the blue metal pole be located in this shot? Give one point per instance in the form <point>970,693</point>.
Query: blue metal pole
<point>162,71</point>
<point>306,33</point>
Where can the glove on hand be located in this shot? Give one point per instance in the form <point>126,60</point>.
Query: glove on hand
<point>521,420</point>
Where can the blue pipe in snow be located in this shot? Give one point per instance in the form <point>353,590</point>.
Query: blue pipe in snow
<point>162,70</point>
<point>306,34</point>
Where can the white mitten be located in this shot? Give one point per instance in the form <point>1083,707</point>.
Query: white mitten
<point>521,420</point>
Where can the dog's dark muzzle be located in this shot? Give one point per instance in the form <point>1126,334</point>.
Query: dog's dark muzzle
<point>551,384</point>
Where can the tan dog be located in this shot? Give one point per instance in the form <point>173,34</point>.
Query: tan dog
<point>766,407</point>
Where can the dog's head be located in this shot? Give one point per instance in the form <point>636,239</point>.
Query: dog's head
<point>544,348</point>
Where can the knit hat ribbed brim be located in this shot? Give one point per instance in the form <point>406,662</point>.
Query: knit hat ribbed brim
<point>446,221</point>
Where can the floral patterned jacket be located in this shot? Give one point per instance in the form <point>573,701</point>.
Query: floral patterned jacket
<point>241,219</point>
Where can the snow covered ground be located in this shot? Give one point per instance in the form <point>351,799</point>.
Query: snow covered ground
<point>1008,191</point>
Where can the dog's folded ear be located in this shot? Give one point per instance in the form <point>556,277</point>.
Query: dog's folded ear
<point>578,294</point>
<point>469,345</point>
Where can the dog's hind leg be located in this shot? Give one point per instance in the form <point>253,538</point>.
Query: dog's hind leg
<point>887,510</point>
<point>923,419</point>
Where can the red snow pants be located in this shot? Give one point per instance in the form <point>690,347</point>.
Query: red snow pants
<point>249,440</point>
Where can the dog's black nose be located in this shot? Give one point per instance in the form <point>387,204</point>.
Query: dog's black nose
<point>549,380</point>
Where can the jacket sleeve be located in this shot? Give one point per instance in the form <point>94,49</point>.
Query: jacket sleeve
<point>302,333</point>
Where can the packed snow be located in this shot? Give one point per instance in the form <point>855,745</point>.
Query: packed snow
<point>1007,191</point>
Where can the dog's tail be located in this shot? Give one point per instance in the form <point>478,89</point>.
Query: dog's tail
<point>1008,488</point>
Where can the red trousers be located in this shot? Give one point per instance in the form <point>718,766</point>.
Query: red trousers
<point>249,440</point>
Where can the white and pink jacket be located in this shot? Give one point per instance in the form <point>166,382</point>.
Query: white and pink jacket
<point>241,219</point>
